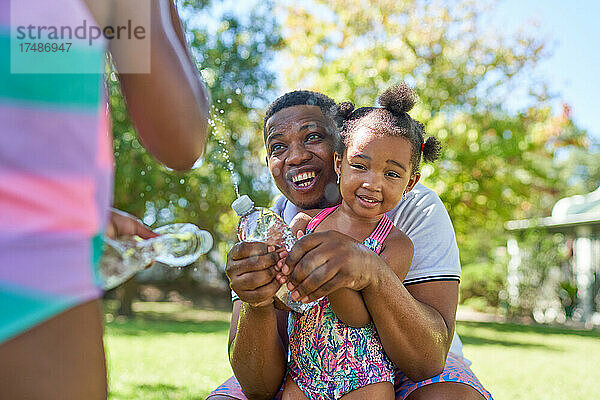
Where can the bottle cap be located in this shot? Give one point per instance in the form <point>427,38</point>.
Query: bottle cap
<point>242,205</point>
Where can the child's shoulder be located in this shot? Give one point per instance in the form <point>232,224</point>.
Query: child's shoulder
<point>396,238</point>
<point>398,252</point>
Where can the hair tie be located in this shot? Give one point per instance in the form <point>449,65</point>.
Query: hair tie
<point>422,147</point>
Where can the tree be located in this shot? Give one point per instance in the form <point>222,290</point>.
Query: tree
<point>232,54</point>
<point>497,164</point>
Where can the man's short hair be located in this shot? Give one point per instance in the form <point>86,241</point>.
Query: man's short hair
<point>328,107</point>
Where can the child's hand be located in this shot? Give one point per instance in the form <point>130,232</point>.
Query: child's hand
<point>281,266</point>
<point>124,224</point>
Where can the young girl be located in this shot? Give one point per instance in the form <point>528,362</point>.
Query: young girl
<point>335,351</point>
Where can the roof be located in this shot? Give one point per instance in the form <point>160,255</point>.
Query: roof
<point>567,213</point>
<point>581,204</point>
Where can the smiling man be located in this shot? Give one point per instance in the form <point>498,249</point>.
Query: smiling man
<point>299,142</point>
<point>414,318</point>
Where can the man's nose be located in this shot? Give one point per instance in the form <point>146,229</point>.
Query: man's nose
<point>298,154</point>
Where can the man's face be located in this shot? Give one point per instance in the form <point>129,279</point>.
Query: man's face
<point>300,156</point>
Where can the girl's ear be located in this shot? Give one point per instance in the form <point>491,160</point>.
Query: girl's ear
<point>337,163</point>
<point>412,182</point>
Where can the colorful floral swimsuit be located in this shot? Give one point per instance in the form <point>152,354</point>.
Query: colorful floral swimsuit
<point>329,358</point>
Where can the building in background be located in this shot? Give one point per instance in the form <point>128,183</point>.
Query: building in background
<point>578,219</point>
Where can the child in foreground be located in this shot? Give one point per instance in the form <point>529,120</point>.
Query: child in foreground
<point>335,351</point>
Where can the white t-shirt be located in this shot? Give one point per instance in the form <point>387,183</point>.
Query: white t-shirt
<point>423,217</point>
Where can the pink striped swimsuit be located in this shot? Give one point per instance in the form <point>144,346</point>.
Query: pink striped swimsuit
<point>55,168</point>
<point>329,358</point>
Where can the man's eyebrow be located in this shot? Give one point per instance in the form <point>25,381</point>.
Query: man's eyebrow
<point>397,163</point>
<point>272,136</point>
<point>310,125</point>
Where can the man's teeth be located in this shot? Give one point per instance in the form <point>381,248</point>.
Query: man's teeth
<point>302,179</point>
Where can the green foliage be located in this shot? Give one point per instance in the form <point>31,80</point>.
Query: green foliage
<point>232,56</point>
<point>497,165</point>
<point>484,281</point>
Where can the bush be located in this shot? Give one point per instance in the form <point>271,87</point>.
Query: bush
<point>482,283</point>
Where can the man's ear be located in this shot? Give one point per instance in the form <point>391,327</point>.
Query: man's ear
<point>337,163</point>
<point>412,182</point>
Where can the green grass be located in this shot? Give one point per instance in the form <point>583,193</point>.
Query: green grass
<point>533,362</point>
<point>170,351</point>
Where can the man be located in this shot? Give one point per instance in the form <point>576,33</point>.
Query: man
<point>415,319</point>
<point>56,183</point>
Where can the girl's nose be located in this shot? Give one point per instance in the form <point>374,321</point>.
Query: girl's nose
<point>297,154</point>
<point>372,182</point>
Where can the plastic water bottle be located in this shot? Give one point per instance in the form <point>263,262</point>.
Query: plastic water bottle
<point>259,224</point>
<point>178,246</point>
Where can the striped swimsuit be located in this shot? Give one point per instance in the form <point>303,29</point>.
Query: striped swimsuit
<point>329,358</point>
<point>55,168</point>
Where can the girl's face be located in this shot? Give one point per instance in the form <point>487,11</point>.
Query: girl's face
<point>374,172</point>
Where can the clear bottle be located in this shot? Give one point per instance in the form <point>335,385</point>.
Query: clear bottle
<point>259,224</point>
<point>177,245</point>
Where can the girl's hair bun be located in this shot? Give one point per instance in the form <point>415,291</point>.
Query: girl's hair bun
<point>398,99</point>
<point>345,109</point>
<point>431,149</point>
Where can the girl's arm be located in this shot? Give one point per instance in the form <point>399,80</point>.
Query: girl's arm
<point>348,305</point>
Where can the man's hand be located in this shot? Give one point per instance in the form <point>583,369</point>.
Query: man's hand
<point>251,269</point>
<point>323,262</point>
<point>124,224</point>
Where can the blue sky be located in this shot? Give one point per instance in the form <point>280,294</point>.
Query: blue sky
<point>573,70</point>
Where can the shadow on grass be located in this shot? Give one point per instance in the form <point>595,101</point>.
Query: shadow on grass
<point>147,325</point>
<point>468,338</point>
<point>151,391</point>
<point>480,341</point>
<point>533,328</point>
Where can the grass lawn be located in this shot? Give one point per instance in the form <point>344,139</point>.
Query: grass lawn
<point>170,351</point>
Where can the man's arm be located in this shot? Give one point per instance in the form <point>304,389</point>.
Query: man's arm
<point>256,350</point>
<point>257,336</point>
<point>415,323</point>
<point>416,332</point>
<point>169,105</point>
